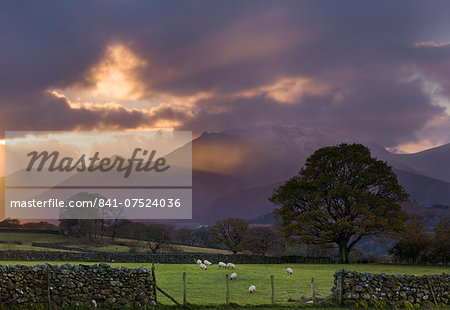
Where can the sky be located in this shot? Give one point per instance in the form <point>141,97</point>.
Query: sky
<point>378,70</point>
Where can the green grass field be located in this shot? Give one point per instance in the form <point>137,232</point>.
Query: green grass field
<point>142,247</point>
<point>208,287</point>
<point>28,238</point>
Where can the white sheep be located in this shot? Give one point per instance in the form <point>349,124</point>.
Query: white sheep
<point>231,266</point>
<point>233,276</point>
<point>199,262</point>
<point>252,289</point>
<point>289,271</point>
<point>207,262</point>
<point>203,267</point>
<point>222,265</point>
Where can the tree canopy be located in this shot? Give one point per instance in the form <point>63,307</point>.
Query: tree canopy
<point>341,195</point>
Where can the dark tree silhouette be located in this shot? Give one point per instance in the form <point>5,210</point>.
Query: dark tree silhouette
<point>230,232</point>
<point>259,240</point>
<point>416,241</point>
<point>158,237</point>
<point>442,241</point>
<point>341,195</point>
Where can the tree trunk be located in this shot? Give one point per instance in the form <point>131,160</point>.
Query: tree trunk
<point>114,229</point>
<point>343,251</point>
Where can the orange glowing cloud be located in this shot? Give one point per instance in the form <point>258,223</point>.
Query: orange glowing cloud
<point>413,147</point>
<point>114,76</point>
<point>115,86</point>
<point>112,79</point>
<point>116,90</point>
<point>289,90</point>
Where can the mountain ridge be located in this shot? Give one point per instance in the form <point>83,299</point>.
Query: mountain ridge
<point>235,171</point>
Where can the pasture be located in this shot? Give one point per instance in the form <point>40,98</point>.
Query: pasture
<point>207,287</point>
<point>27,239</point>
<point>119,245</point>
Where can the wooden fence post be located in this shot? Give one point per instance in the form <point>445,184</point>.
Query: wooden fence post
<point>313,293</point>
<point>227,291</point>
<point>184,289</point>
<point>154,283</point>
<point>273,290</point>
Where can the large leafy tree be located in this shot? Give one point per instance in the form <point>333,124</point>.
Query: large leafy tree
<point>341,195</point>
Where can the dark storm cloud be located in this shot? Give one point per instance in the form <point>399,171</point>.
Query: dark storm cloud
<point>363,52</point>
<point>373,110</point>
<point>48,112</point>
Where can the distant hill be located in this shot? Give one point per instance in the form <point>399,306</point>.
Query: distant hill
<point>432,163</point>
<point>424,190</point>
<point>291,146</point>
<point>234,155</point>
<point>245,203</point>
<point>235,171</point>
<point>264,219</point>
<point>434,213</point>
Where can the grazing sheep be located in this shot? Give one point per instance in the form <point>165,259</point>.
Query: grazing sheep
<point>252,289</point>
<point>233,276</point>
<point>207,262</point>
<point>289,271</point>
<point>203,267</point>
<point>222,265</point>
<point>231,266</point>
<point>199,262</point>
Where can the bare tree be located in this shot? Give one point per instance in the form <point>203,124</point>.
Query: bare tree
<point>158,237</point>
<point>230,232</point>
<point>259,240</point>
<point>184,235</point>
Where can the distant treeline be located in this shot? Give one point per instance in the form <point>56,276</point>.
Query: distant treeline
<point>14,226</point>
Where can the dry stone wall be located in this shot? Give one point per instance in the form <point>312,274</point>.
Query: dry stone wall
<point>163,258</point>
<point>364,289</point>
<point>76,285</point>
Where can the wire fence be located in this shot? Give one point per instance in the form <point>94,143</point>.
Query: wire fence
<point>213,289</point>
